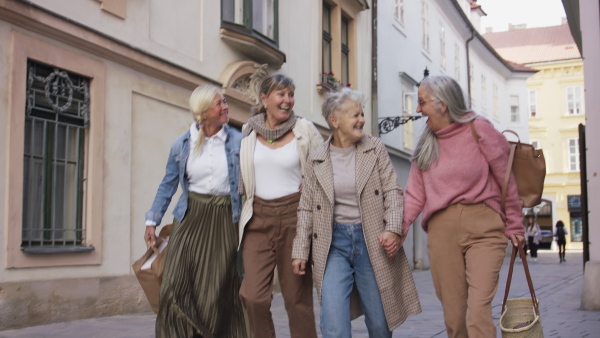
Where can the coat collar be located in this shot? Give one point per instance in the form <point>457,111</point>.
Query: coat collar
<point>365,160</point>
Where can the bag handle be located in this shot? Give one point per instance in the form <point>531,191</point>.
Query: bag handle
<point>527,275</point>
<point>511,157</point>
<point>514,133</point>
<point>153,247</point>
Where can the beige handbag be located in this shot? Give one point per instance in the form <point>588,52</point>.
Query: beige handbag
<point>520,316</point>
<point>529,167</point>
<point>150,278</point>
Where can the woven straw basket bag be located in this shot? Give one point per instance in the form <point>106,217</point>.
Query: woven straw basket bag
<point>520,316</point>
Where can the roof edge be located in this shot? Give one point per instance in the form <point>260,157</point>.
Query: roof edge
<point>482,40</point>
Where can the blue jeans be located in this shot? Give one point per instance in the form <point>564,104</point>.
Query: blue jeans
<point>348,263</point>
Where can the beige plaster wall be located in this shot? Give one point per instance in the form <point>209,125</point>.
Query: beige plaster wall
<point>40,302</point>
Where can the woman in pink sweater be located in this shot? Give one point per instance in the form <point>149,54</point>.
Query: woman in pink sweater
<point>456,177</point>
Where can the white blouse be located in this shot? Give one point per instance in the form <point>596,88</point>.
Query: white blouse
<point>207,170</point>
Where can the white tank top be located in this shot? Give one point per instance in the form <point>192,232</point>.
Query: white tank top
<point>277,171</point>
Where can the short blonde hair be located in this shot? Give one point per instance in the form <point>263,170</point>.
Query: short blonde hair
<point>200,102</point>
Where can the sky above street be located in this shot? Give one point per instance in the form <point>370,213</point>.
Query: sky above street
<point>534,13</point>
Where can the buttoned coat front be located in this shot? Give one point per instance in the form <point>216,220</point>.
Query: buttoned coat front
<point>380,204</point>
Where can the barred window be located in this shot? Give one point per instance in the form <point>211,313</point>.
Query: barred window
<point>56,121</point>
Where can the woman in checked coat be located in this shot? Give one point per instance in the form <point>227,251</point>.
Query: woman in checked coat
<point>351,213</point>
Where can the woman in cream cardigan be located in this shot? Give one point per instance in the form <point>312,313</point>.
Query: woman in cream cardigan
<point>272,160</point>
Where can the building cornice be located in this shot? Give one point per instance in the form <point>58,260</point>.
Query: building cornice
<point>33,18</point>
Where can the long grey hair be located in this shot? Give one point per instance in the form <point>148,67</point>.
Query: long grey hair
<point>442,89</point>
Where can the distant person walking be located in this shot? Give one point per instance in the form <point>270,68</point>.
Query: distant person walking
<point>560,234</point>
<point>533,233</point>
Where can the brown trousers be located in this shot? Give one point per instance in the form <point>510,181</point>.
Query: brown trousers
<point>267,243</point>
<point>466,246</point>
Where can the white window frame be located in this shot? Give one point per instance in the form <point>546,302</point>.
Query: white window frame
<point>496,101</point>
<point>483,93</point>
<point>535,144</point>
<point>456,63</point>
<point>573,154</point>
<point>533,106</point>
<point>574,100</point>
<point>399,11</point>
<point>514,109</point>
<point>442,46</point>
<point>472,88</point>
<point>425,21</point>
<point>408,107</point>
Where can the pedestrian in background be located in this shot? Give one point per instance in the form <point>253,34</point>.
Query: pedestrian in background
<point>457,170</point>
<point>273,159</point>
<point>199,291</point>
<point>533,233</point>
<point>350,214</point>
<point>560,234</point>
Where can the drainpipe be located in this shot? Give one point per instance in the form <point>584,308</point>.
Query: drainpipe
<point>374,97</point>
<point>469,66</point>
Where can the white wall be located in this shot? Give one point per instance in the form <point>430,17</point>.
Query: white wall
<point>590,27</point>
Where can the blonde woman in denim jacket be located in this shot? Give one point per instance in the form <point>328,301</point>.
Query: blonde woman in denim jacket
<point>199,291</point>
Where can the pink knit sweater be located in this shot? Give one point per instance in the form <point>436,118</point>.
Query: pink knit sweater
<point>466,173</point>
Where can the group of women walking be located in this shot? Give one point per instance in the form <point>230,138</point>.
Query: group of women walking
<point>331,213</point>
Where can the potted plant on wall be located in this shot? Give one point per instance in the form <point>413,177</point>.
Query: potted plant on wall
<point>328,82</point>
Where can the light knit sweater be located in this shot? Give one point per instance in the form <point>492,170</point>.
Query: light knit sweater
<point>466,173</point>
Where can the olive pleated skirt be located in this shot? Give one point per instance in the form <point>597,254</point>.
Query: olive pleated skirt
<point>199,291</point>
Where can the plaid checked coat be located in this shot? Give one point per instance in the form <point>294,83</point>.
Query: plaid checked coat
<point>380,203</point>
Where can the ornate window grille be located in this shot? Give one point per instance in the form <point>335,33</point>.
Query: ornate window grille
<point>57,117</point>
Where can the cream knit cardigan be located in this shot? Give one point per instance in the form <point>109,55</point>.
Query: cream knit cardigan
<point>307,137</point>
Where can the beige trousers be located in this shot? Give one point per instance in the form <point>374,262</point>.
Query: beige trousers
<point>466,246</point>
<point>267,243</point>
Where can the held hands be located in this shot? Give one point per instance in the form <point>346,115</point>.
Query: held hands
<point>150,235</point>
<point>299,266</point>
<point>516,239</point>
<point>390,242</point>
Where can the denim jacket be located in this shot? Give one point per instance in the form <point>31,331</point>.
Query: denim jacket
<point>176,172</point>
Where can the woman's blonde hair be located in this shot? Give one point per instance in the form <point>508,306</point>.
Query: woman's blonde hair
<point>444,89</point>
<point>200,102</point>
<point>275,81</point>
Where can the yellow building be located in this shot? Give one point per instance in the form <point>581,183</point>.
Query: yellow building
<point>556,108</point>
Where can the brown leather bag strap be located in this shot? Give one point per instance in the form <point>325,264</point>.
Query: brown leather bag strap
<point>527,275</point>
<point>511,157</point>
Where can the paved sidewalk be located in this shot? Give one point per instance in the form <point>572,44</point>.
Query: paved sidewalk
<point>558,287</point>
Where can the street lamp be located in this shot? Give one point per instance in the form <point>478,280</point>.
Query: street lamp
<point>387,124</point>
